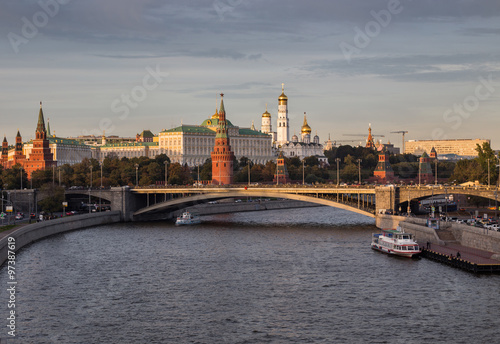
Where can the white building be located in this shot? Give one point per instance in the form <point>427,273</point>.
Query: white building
<point>192,144</point>
<point>283,130</point>
<point>305,148</point>
<point>65,151</point>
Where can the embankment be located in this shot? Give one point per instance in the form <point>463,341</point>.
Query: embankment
<point>462,234</point>
<point>30,233</point>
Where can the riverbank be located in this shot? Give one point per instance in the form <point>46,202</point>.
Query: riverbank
<point>29,233</point>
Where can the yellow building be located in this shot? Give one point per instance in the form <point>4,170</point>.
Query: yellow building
<point>461,147</point>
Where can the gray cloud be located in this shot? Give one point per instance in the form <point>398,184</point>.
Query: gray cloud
<point>419,68</point>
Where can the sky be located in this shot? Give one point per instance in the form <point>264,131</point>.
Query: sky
<point>429,67</point>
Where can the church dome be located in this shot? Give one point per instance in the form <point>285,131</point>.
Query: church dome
<point>295,138</point>
<point>283,99</point>
<point>266,114</point>
<point>306,129</point>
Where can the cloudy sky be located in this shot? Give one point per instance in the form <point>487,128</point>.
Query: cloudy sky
<point>431,67</point>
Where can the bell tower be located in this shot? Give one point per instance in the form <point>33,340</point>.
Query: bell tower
<point>283,129</point>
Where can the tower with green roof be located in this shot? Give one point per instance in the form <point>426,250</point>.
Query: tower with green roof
<point>222,156</point>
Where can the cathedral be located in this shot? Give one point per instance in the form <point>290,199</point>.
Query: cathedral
<point>301,148</point>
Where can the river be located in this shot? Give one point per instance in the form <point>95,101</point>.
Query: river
<point>291,276</point>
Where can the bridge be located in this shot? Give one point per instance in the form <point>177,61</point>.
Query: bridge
<point>155,203</point>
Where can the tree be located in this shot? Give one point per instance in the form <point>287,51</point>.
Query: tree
<point>467,171</point>
<point>311,161</point>
<point>53,202</point>
<point>485,154</point>
<point>206,170</point>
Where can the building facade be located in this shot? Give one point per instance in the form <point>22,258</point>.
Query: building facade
<point>193,144</point>
<point>463,148</point>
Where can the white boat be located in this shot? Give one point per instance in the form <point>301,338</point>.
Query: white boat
<point>187,219</point>
<point>395,242</point>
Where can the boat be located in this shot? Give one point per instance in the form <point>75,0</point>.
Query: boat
<point>187,218</point>
<point>395,242</point>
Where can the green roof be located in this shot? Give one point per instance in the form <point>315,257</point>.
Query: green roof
<point>147,134</point>
<point>131,144</point>
<point>246,131</point>
<point>60,140</point>
<point>190,129</point>
<point>215,122</point>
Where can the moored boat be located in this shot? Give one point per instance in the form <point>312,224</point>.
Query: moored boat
<point>395,242</point>
<point>187,218</point>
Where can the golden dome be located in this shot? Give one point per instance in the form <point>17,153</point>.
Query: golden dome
<point>282,97</point>
<point>306,129</point>
<point>266,114</point>
<point>215,115</point>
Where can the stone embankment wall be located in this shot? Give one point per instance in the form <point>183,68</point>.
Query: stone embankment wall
<point>465,235</point>
<point>30,233</point>
<point>479,238</point>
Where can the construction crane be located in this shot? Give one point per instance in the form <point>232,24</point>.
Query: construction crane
<point>401,132</point>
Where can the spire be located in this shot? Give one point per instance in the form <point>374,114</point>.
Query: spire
<point>253,126</point>
<point>222,111</point>
<point>48,127</point>
<point>40,127</point>
<point>4,138</point>
<point>18,133</point>
<point>306,129</point>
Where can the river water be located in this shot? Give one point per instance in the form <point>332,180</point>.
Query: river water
<point>292,276</point>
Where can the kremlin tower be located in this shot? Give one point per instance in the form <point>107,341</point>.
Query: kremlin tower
<point>283,126</point>
<point>5,150</point>
<point>222,156</point>
<point>41,157</point>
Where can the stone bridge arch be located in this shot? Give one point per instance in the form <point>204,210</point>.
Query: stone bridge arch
<point>187,201</point>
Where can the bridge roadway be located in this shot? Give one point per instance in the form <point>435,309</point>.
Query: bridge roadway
<point>359,200</point>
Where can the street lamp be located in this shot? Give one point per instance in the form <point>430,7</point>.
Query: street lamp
<point>136,175</point>
<point>100,190</point>
<point>166,172</point>
<point>248,166</point>
<point>359,169</point>
<point>436,172</point>
<point>90,188</point>
<point>338,161</point>
<point>21,169</point>
<point>303,168</point>
<point>419,174</point>
<point>277,174</point>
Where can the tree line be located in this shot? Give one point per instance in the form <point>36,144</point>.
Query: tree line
<point>145,171</point>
